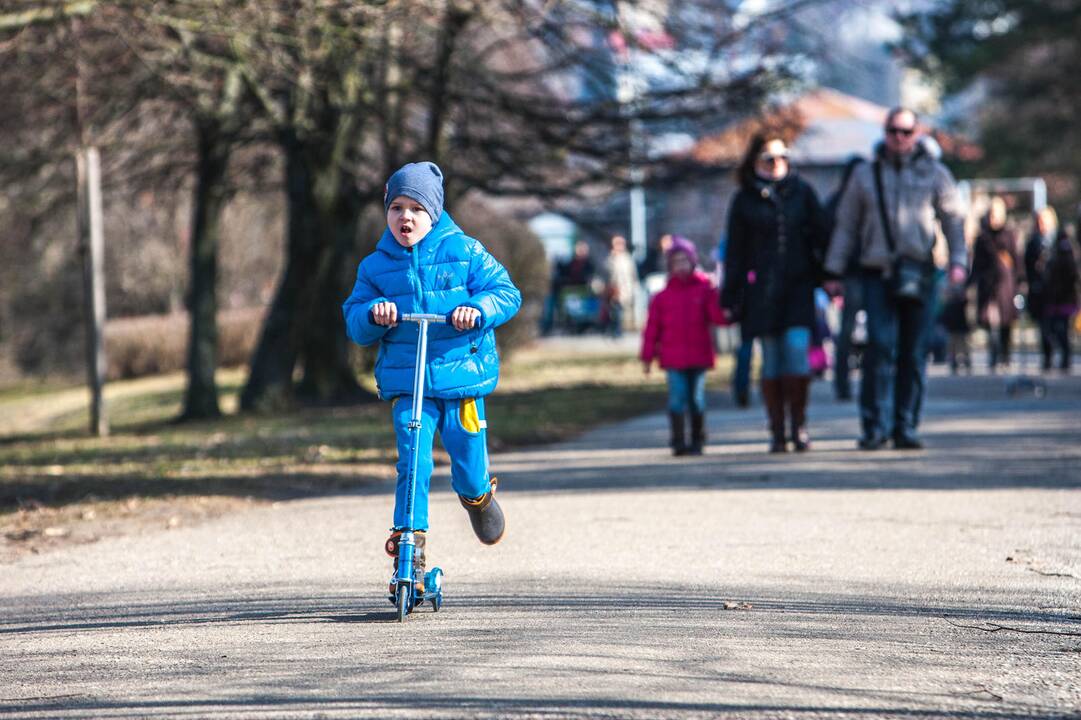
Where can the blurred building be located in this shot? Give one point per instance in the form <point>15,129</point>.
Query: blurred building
<point>824,128</point>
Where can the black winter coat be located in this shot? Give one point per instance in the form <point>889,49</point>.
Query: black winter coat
<point>773,259</point>
<point>1037,254</point>
<point>1062,278</point>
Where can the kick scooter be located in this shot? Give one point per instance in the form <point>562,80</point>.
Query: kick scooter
<point>406,597</point>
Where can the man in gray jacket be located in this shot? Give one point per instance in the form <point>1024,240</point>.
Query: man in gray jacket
<point>918,195</point>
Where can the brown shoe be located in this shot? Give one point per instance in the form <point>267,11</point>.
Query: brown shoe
<point>420,538</point>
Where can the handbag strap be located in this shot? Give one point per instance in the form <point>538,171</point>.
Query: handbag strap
<point>882,208</point>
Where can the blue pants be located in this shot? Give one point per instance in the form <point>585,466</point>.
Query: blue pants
<point>741,377</point>
<point>786,353</point>
<point>687,390</point>
<point>895,362</point>
<point>853,304</point>
<point>462,428</point>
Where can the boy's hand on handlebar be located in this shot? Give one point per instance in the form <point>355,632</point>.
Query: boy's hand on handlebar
<point>464,317</point>
<point>385,314</point>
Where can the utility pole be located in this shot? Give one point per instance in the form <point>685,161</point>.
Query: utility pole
<point>92,249</point>
<point>91,239</point>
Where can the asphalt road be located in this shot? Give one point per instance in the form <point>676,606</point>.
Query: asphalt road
<point>835,584</point>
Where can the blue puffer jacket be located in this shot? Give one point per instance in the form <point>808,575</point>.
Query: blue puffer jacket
<point>447,268</point>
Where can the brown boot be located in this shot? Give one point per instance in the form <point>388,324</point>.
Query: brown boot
<point>698,433</point>
<point>419,541</point>
<point>679,436</point>
<point>795,393</point>
<point>773,399</point>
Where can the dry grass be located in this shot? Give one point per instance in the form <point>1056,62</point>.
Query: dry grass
<point>53,475</point>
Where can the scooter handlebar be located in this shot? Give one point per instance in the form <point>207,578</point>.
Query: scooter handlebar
<point>415,317</point>
<point>430,317</point>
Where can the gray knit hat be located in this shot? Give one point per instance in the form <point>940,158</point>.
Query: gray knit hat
<point>422,181</point>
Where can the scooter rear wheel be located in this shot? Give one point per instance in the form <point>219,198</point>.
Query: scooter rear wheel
<point>403,601</point>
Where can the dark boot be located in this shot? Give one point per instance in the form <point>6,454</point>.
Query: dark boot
<point>419,541</point>
<point>773,399</point>
<point>679,443</point>
<point>698,433</point>
<point>795,393</point>
<point>486,516</point>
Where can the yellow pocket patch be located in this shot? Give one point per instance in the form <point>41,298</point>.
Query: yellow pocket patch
<point>467,413</point>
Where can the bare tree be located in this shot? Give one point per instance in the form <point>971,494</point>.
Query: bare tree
<point>182,47</point>
<point>511,96</point>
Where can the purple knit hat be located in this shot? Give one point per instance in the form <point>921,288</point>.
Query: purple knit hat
<point>683,245</point>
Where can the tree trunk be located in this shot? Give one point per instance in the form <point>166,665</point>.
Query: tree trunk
<point>305,320</point>
<point>201,397</point>
<point>270,381</point>
<point>329,379</point>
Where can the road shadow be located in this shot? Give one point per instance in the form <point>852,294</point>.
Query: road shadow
<point>580,634</point>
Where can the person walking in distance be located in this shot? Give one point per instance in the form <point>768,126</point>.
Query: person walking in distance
<point>996,273</point>
<point>677,334</point>
<point>1037,255</point>
<point>890,213</point>
<point>776,238</point>
<point>622,284</point>
<point>853,302</point>
<point>1062,282</point>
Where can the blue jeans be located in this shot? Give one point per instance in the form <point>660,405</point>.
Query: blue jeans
<point>741,377</point>
<point>462,428</point>
<point>687,390</point>
<point>895,361</point>
<point>615,318</point>
<point>786,353</point>
<point>853,304</point>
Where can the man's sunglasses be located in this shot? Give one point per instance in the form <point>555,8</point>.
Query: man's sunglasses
<point>900,131</point>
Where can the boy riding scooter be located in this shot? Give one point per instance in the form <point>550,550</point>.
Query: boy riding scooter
<point>424,263</point>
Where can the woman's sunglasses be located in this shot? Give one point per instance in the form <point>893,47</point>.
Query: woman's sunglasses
<point>771,159</point>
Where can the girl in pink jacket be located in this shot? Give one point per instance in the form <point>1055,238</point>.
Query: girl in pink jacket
<point>678,335</point>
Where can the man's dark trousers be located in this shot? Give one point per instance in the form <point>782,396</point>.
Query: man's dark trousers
<point>895,361</point>
<point>853,296</point>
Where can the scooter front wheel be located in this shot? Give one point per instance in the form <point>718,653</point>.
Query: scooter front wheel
<point>403,601</point>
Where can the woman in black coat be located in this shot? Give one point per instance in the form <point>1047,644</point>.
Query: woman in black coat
<point>776,241</point>
<point>1063,279</point>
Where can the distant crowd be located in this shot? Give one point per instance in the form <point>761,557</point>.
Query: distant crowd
<point>863,274</point>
